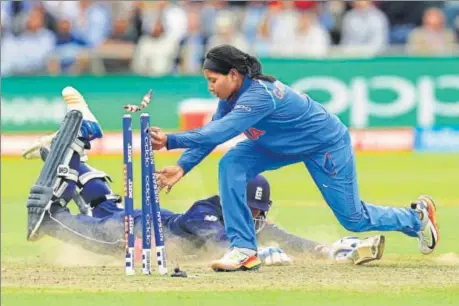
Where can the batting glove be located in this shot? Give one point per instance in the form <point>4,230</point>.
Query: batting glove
<point>271,256</point>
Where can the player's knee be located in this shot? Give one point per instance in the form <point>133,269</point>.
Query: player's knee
<point>351,222</point>
<point>352,225</point>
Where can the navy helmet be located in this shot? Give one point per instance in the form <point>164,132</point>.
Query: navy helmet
<point>259,197</point>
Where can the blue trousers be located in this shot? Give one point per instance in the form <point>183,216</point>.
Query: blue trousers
<point>333,171</point>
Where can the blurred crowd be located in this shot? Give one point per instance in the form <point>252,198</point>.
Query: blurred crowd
<point>172,37</point>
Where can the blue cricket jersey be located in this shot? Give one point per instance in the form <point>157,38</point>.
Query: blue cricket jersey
<point>276,117</point>
<point>201,223</point>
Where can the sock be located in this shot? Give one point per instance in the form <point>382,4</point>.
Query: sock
<point>248,252</point>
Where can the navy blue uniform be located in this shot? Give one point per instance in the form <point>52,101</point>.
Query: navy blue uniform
<point>284,127</point>
<point>201,224</point>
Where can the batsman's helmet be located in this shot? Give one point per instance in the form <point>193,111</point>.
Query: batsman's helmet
<point>258,197</point>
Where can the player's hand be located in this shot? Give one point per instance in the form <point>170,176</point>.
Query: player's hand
<point>158,138</point>
<point>341,250</point>
<point>168,177</point>
<point>273,256</point>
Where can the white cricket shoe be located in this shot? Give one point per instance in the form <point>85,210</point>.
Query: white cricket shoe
<point>236,260</point>
<point>429,235</point>
<point>90,128</point>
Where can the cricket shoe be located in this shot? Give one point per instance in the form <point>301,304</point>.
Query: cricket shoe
<point>429,235</point>
<point>236,260</point>
<point>90,128</point>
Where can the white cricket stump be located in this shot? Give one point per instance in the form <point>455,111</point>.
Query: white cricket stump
<point>130,270</point>
<point>146,261</point>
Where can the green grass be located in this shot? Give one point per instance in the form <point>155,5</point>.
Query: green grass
<point>388,179</point>
<point>260,297</point>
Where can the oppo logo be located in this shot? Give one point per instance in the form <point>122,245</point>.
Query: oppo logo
<point>355,97</point>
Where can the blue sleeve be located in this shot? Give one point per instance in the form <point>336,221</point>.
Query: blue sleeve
<point>208,230</point>
<point>253,106</point>
<point>191,157</point>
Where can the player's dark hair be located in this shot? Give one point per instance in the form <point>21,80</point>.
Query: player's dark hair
<point>223,58</point>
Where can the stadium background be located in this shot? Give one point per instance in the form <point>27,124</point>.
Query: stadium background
<point>389,70</point>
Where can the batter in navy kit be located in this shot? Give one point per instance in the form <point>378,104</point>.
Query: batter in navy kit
<point>102,231</point>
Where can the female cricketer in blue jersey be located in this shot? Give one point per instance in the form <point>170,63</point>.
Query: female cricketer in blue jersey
<point>283,127</point>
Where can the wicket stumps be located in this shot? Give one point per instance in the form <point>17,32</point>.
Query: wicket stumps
<point>128,194</point>
<point>154,194</point>
<point>151,214</point>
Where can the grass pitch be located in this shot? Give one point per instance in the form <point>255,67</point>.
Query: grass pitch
<point>50,273</point>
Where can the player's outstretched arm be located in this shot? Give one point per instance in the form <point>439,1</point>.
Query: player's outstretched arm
<point>271,233</point>
<point>250,109</point>
<point>169,176</point>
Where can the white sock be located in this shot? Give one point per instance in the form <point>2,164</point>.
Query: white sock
<point>248,252</point>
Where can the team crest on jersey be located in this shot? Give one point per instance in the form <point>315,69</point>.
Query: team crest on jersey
<point>210,218</point>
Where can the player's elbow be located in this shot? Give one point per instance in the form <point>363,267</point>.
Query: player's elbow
<point>213,142</point>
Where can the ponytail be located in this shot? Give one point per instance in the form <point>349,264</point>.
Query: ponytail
<point>254,69</point>
<point>223,58</point>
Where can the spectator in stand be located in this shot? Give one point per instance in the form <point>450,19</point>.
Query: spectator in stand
<point>93,22</point>
<point>6,17</point>
<point>68,55</point>
<point>452,16</point>
<point>209,11</point>
<point>58,9</point>
<point>35,37</point>
<point>324,16</point>
<point>173,17</point>
<point>226,33</point>
<point>278,29</point>
<point>121,9</point>
<point>336,10</point>
<point>365,30</point>
<point>404,17</point>
<point>432,38</point>
<point>153,54</point>
<point>311,40</point>
<point>254,14</point>
<point>16,14</point>
<point>117,51</point>
<point>122,30</point>
<point>9,48</point>
<point>192,47</point>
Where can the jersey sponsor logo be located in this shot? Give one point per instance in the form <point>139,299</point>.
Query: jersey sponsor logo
<point>246,108</point>
<point>253,133</point>
<point>279,90</point>
<point>210,218</point>
<point>259,193</point>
